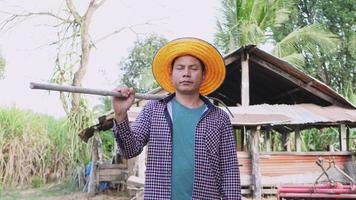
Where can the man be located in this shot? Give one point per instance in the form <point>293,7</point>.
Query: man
<point>191,147</point>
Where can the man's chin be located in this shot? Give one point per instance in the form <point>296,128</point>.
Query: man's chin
<point>187,91</point>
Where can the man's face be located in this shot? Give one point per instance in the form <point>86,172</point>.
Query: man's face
<point>187,75</point>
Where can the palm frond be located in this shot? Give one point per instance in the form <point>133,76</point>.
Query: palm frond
<point>295,59</point>
<point>252,34</point>
<point>310,38</point>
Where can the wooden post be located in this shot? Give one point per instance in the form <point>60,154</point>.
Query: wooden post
<point>348,138</point>
<point>286,141</point>
<point>343,137</point>
<point>238,138</point>
<point>244,139</point>
<point>268,139</point>
<point>255,159</point>
<point>245,88</point>
<point>93,170</point>
<point>100,150</point>
<point>298,141</point>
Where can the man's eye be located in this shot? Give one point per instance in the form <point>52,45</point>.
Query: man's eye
<point>179,67</point>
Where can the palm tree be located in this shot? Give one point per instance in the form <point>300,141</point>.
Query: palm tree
<point>253,22</point>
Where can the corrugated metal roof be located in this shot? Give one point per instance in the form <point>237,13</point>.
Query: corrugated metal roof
<point>282,114</point>
<point>264,114</point>
<point>290,114</point>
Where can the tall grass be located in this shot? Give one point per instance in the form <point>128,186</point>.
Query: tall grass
<point>320,139</point>
<point>33,145</point>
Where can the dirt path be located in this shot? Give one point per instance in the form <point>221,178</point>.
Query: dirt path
<point>58,192</point>
<point>83,196</point>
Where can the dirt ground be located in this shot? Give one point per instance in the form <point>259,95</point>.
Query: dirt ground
<point>33,195</point>
<point>83,196</point>
<point>58,193</point>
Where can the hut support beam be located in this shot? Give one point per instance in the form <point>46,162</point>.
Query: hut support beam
<point>245,87</point>
<point>286,141</point>
<point>255,159</point>
<point>298,141</point>
<point>268,140</point>
<point>343,137</point>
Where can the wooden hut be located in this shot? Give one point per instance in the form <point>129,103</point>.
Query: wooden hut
<point>265,94</point>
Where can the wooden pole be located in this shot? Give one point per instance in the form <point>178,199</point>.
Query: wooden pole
<point>268,139</point>
<point>244,139</point>
<point>348,138</point>
<point>74,89</point>
<point>298,141</point>
<point>237,139</point>
<point>288,141</point>
<point>245,87</point>
<point>255,158</point>
<point>93,171</point>
<point>343,137</point>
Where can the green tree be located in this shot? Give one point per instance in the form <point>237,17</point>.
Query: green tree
<point>248,22</point>
<point>137,66</point>
<point>336,69</point>
<point>255,21</point>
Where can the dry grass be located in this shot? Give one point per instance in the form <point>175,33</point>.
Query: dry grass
<point>36,149</point>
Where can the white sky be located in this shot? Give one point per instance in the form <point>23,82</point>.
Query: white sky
<point>29,59</point>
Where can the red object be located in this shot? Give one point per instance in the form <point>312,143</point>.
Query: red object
<point>326,191</point>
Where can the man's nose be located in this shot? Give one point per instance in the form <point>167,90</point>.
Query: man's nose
<point>186,72</point>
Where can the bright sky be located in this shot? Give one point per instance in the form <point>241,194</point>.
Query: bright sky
<point>29,59</point>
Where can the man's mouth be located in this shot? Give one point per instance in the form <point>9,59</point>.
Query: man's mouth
<point>186,82</point>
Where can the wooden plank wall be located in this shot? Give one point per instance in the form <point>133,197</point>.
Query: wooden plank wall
<point>277,165</point>
<point>245,167</point>
<point>288,168</point>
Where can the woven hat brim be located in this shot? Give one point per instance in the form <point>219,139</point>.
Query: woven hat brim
<point>208,54</point>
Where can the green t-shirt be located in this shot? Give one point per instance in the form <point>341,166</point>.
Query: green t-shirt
<point>185,121</point>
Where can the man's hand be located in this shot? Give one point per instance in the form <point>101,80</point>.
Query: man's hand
<point>122,104</point>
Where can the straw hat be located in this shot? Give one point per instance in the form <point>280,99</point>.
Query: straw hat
<point>208,54</point>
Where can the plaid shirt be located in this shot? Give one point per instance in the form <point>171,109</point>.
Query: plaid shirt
<point>216,173</point>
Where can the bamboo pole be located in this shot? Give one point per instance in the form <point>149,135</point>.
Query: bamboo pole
<point>74,89</point>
